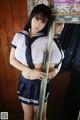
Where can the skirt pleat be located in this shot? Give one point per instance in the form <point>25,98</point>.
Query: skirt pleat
<point>28,90</point>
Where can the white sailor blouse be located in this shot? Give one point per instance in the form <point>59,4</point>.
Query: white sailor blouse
<point>38,48</point>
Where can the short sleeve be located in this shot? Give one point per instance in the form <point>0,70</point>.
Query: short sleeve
<point>14,41</point>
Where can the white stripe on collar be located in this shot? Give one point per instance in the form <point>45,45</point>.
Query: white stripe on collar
<point>37,34</point>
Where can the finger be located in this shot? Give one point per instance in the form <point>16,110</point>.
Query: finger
<point>40,78</point>
<point>49,77</point>
<point>51,74</point>
<point>42,73</point>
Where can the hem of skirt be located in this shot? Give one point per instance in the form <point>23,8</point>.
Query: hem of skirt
<point>32,100</point>
<point>28,103</point>
<point>36,104</point>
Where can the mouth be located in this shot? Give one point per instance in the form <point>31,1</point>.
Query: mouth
<point>60,31</point>
<point>37,29</point>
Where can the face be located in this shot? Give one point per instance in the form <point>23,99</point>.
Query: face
<point>37,25</point>
<point>58,28</point>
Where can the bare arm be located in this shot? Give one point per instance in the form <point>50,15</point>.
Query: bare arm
<point>54,71</point>
<point>32,73</point>
<point>15,63</point>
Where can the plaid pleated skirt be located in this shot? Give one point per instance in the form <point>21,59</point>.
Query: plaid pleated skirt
<point>29,90</point>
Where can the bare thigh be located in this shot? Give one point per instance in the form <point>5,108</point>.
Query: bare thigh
<point>31,111</point>
<point>28,111</point>
<point>44,111</point>
<point>43,114</point>
<point>35,117</point>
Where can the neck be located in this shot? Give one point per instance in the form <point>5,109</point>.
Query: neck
<point>31,33</point>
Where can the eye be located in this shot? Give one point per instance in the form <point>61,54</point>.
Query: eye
<point>44,21</point>
<point>37,18</point>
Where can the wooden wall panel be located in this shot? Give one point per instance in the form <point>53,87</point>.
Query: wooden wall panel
<point>23,13</point>
<point>13,16</point>
<point>8,20</point>
<point>3,35</point>
<point>16,15</point>
<point>58,88</point>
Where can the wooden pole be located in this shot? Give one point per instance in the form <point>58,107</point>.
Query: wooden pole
<point>46,69</point>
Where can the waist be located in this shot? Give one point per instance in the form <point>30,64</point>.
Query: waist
<point>37,67</point>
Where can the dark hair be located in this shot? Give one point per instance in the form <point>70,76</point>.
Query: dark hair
<point>44,13</point>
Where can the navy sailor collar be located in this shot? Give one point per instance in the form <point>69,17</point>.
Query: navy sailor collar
<point>36,35</point>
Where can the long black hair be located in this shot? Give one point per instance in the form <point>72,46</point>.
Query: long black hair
<point>44,14</point>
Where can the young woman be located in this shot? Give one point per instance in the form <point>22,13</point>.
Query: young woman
<point>27,54</point>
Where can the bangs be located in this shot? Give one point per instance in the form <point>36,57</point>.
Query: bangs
<point>42,17</point>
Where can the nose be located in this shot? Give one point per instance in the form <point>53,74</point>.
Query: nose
<point>38,23</point>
